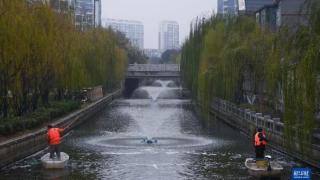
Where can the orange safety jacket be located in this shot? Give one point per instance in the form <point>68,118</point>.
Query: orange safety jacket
<point>257,141</point>
<point>54,136</point>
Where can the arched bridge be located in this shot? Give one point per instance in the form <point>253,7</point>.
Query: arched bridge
<point>145,74</point>
<point>153,71</point>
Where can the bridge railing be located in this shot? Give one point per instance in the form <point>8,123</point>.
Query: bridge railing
<point>154,67</point>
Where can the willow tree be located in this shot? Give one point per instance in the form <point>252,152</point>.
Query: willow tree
<point>231,47</point>
<point>13,49</point>
<point>41,53</point>
<point>224,54</point>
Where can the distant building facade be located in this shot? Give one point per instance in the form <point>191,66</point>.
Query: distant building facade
<point>228,7</point>
<point>87,14</point>
<point>168,35</point>
<point>133,30</point>
<point>250,7</point>
<point>288,13</point>
<point>62,6</point>
<point>98,13</point>
<point>152,53</point>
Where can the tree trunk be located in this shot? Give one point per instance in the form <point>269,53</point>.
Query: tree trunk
<point>34,101</point>
<point>1,96</point>
<point>5,106</point>
<point>59,95</point>
<point>45,97</point>
<point>24,103</point>
<point>4,94</point>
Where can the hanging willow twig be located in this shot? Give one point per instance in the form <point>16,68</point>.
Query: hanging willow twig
<point>229,57</point>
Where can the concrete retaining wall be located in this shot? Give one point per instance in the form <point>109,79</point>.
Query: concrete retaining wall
<point>247,121</point>
<point>24,146</point>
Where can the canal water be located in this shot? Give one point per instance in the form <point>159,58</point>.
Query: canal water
<point>111,145</point>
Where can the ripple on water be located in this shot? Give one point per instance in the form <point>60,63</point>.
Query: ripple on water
<point>163,142</point>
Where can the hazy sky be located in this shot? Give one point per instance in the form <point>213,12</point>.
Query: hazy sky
<point>151,12</point>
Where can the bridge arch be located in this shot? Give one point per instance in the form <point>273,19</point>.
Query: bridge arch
<point>144,74</point>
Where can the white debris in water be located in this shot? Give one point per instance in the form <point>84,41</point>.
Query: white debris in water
<point>236,156</point>
<point>108,132</point>
<point>121,153</point>
<point>172,152</point>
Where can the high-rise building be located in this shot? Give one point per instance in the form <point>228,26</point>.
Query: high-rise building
<point>228,7</point>
<point>250,7</point>
<point>289,13</point>
<point>220,7</point>
<point>98,12</point>
<point>133,30</point>
<point>87,14</point>
<point>168,35</point>
<point>62,6</point>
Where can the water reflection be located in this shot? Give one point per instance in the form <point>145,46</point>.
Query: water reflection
<point>110,145</point>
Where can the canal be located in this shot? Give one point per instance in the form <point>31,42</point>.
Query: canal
<point>110,145</point>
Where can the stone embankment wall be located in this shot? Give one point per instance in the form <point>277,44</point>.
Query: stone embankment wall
<point>247,121</point>
<point>26,145</point>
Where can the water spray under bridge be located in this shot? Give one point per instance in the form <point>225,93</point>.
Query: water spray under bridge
<point>144,74</point>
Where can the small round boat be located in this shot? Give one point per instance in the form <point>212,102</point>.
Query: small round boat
<point>55,163</point>
<point>263,168</point>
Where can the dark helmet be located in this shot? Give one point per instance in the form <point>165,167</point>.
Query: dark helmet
<point>50,126</point>
<point>259,129</point>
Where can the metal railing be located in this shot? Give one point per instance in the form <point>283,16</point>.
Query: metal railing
<point>154,67</point>
<point>273,125</point>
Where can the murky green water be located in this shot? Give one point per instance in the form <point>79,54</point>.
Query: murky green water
<point>110,146</point>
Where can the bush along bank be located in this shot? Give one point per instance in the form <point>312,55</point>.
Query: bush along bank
<point>41,116</point>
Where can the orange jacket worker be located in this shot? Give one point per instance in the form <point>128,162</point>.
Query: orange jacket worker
<point>54,140</point>
<point>260,143</point>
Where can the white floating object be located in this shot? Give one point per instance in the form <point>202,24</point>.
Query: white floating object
<point>257,171</point>
<point>155,166</point>
<point>55,163</point>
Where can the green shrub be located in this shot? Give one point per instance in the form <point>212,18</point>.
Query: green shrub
<point>39,117</point>
<point>56,113</point>
<point>8,129</point>
<point>2,128</point>
<point>17,125</point>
